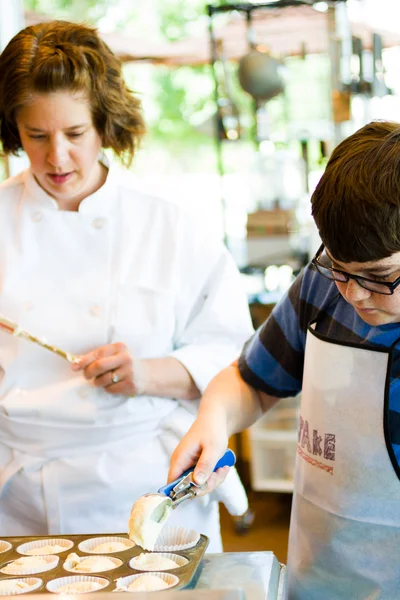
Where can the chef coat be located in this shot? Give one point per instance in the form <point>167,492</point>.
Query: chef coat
<point>125,267</point>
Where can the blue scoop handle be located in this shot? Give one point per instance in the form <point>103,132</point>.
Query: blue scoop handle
<point>228,460</point>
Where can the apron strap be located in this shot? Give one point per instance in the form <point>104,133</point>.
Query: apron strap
<point>51,497</point>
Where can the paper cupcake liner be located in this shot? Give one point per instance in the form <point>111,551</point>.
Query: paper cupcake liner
<point>172,539</point>
<point>26,548</point>
<point>89,546</point>
<point>4,546</point>
<point>55,585</point>
<point>180,560</point>
<point>12,569</point>
<point>33,582</point>
<point>124,582</point>
<point>68,565</point>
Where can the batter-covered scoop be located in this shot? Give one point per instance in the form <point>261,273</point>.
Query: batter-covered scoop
<point>150,512</point>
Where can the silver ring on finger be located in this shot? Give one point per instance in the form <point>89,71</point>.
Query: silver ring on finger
<point>114,377</point>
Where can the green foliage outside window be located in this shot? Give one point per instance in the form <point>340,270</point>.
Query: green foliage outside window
<point>179,102</point>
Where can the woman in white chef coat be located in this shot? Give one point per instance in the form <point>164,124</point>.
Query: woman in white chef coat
<point>126,282</point>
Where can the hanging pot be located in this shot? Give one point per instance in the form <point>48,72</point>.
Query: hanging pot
<point>260,75</point>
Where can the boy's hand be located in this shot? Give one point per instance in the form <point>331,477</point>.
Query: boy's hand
<point>114,369</point>
<point>204,444</point>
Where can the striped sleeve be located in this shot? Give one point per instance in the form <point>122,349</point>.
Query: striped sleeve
<point>272,360</point>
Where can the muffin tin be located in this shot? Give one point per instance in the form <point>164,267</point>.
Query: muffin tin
<point>184,573</point>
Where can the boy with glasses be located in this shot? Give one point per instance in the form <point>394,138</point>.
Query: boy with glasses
<point>336,338</point>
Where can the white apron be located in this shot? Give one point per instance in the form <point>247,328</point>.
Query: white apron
<point>89,485</point>
<point>345,526</point>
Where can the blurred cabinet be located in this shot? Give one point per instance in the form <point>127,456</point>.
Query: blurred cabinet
<point>272,445</point>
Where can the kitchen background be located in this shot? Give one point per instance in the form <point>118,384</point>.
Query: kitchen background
<point>244,103</point>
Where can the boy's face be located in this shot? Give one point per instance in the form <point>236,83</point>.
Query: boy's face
<point>375,309</point>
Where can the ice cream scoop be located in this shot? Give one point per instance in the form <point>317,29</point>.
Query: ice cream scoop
<point>150,512</point>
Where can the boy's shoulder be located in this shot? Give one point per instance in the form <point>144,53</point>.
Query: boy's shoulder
<point>315,290</point>
<point>314,298</point>
<point>321,302</point>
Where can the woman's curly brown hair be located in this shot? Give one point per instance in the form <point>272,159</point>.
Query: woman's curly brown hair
<point>63,56</point>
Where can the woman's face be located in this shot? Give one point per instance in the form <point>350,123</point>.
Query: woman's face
<point>58,135</point>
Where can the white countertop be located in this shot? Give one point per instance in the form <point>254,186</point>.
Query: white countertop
<point>259,574</point>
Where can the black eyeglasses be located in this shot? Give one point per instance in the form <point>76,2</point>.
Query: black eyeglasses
<point>378,287</point>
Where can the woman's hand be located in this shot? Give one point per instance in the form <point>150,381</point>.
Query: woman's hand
<point>205,443</point>
<point>114,369</point>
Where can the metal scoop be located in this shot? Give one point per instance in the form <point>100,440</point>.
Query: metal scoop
<point>150,511</point>
<point>185,488</point>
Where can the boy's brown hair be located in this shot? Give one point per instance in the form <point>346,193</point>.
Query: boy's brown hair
<point>63,56</point>
<point>356,204</point>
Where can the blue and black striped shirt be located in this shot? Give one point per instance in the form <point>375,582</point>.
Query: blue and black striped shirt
<point>272,360</point>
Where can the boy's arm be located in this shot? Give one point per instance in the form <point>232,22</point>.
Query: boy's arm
<point>229,405</point>
<point>270,368</point>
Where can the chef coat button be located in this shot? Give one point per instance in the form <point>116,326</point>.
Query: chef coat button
<point>98,223</point>
<point>37,216</point>
<point>83,392</point>
<point>95,310</point>
<point>27,305</point>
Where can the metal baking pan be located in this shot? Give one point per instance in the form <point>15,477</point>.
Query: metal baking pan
<point>162,595</point>
<point>185,574</point>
